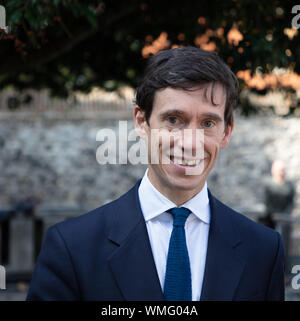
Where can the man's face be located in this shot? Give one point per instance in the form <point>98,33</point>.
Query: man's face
<point>278,169</point>
<point>180,114</point>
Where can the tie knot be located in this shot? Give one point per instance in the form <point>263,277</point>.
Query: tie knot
<point>180,214</point>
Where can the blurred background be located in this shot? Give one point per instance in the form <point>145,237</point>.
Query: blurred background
<point>69,68</point>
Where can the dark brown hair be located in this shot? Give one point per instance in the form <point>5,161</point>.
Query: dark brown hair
<point>186,68</point>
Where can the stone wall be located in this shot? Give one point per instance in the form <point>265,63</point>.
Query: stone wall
<point>53,158</point>
<point>242,167</point>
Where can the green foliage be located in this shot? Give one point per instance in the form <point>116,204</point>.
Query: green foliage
<point>68,45</point>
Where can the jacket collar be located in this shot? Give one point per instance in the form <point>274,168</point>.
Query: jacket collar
<point>132,263</point>
<point>224,267</point>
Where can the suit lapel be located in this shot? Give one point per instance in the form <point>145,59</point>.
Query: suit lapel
<point>132,263</point>
<point>223,268</point>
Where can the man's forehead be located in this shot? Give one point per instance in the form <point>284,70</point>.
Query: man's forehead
<point>213,93</point>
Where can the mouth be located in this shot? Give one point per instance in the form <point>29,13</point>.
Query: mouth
<point>185,162</point>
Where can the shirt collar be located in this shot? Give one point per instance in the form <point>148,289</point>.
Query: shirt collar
<point>153,203</point>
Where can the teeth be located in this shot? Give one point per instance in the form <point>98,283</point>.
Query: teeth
<point>178,161</point>
<point>187,163</point>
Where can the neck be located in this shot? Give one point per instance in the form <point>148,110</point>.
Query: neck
<point>279,180</point>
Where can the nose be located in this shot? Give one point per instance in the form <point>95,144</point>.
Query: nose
<point>192,142</point>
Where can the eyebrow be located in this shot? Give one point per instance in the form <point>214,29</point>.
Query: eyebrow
<point>213,115</point>
<point>172,112</point>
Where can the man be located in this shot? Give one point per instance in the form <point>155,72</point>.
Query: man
<point>279,196</point>
<point>279,192</point>
<point>168,238</point>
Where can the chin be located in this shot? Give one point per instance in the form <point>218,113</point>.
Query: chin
<point>187,183</point>
<point>181,181</point>
<point>174,178</point>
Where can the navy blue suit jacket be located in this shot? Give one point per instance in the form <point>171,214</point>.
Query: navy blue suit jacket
<point>106,255</point>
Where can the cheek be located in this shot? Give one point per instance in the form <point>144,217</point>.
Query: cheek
<point>212,144</point>
<point>160,145</point>
<point>162,139</point>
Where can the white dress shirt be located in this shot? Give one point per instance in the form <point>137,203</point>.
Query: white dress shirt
<point>160,224</point>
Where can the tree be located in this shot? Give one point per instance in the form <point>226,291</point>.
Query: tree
<point>72,45</point>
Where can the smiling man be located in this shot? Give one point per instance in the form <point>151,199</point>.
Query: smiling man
<point>168,238</point>
<point>178,114</point>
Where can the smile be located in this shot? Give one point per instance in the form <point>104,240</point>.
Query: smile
<point>185,162</point>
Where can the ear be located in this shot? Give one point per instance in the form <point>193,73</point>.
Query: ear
<point>227,135</point>
<point>140,123</point>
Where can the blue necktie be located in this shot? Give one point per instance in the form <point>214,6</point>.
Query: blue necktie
<point>177,285</point>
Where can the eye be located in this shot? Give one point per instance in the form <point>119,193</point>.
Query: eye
<point>173,120</point>
<point>208,123</point>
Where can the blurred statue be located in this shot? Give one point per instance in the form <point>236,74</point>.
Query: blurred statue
<point>278,193</point>
<point>279,198</point>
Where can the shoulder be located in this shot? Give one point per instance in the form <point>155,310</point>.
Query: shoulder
<point>246,229</point>
<point>89,219</point>
<point>83,229</point>
<point>258,248</point>
<point>291,185</point>
<point>93,224</point>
